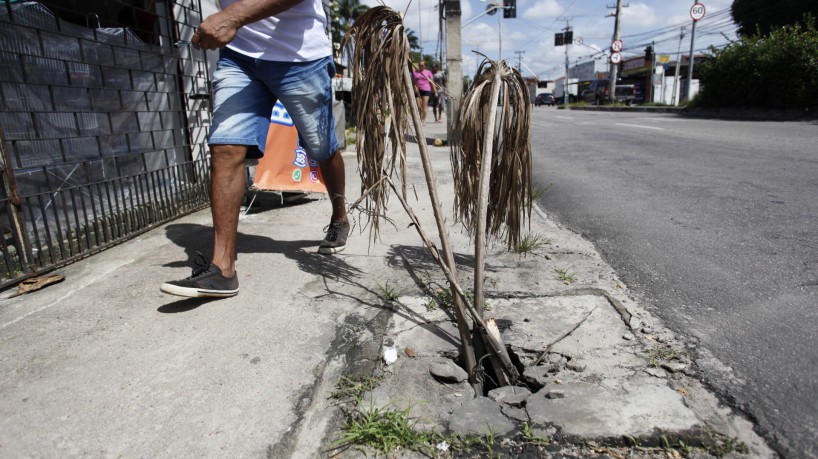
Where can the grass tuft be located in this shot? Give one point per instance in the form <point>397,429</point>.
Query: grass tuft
<point>565,275</point>
<point>385,430</point>
<point>389,292</point>
<point>531,242</point>
<point>664,353</point>
<point>355,386</point>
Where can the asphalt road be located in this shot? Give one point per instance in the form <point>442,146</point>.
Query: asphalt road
<point>714,225</point>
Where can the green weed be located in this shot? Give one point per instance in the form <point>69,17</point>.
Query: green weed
<point>565,275</point>
<point>389,292</point>
<point>531,242</point>
<point>537,192</point>
<point>530,437</point>
<point>355,387</point>
<point>443,298</point>
<point>384,430</point>
<point>661,354</point>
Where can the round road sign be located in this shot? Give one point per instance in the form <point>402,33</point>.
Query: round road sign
<point>616,58</point>
<point>616,46</point>
<point>697,11</point>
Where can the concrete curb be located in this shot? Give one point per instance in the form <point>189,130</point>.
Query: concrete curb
<point>719,113</point>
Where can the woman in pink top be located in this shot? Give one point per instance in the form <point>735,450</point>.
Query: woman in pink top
<point>424,80</point>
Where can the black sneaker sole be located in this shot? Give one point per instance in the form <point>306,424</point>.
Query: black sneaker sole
<point>196,292</point>
<point>331,250</point>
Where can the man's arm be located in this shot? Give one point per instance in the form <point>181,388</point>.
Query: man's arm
<point>219,29</point>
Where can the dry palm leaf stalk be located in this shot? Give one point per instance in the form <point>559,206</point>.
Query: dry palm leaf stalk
<point>381,106</point>
<point>491,165</point>
<point>378,51</point>
<point>507,150</point>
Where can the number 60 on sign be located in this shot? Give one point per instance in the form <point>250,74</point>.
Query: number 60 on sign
<point>697,11</point>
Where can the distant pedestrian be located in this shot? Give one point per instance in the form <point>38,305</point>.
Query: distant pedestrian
<point>424,80</point>
<point>439,79</point>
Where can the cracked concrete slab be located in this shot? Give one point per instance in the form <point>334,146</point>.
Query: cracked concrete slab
<point>635,407</point>
<point>103,364</point>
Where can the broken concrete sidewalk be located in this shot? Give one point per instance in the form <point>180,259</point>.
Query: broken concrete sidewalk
<point>103,364</point>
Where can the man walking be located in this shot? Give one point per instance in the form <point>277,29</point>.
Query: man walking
<point>269,50</point>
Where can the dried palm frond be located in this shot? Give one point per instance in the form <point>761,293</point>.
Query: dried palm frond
<point>509,190</point>
<point>379,51</point>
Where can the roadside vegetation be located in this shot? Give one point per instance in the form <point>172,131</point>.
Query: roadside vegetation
<point>778,70</point>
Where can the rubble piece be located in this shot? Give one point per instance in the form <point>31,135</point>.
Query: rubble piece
<point>510,395</point>
<point>448,371</point>
<point>536,376</point>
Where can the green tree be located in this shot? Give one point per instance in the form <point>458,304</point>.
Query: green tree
<point>343,13</point>
<point>778,70</point>
<point>765,15</point>
<point>414,42</point>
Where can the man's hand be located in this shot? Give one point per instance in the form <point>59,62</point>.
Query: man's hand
<point>216,31</point>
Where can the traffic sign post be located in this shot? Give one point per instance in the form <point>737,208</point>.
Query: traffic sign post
<point>697,11</point>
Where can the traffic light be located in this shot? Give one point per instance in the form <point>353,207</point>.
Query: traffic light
<point>558,39</point>
<point>569,37</point>
<point>649,53</point>
<point>510,9</point>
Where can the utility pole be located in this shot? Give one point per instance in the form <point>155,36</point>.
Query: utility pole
<point>690,59</point>
<point>454,62</point>
<point>675,96</point>
<point>519,60</point>
<point>615,67</point>
<point>652,64</point>
<point>566,33</point>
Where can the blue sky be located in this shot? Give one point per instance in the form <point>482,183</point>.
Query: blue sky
<point>532,32</point>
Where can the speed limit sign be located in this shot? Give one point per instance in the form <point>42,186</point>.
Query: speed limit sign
<point>616,58</point>
<point>697,11</point>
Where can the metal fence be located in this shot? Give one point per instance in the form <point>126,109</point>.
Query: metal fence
<point>102,126</point>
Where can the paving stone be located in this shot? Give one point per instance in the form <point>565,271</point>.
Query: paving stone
<point>448,371</point>
<point>478,417</point>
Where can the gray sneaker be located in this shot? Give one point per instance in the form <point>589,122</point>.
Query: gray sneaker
<point>336,238</point>
<point>205,282</point>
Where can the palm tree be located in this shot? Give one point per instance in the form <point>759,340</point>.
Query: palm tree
<point>343,13</point>
<point>414,42</point>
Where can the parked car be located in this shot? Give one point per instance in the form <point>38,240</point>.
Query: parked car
<point>598,93</point>
<point>545,98</point>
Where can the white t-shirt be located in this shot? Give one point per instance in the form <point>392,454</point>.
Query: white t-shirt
<point>296,35</point>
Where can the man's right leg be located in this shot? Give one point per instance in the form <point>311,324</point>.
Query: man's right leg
<point>218,279</point>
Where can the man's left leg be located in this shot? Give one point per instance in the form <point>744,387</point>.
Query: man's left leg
<point>333,171</point>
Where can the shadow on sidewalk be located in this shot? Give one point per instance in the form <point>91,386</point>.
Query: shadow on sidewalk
<point>430,141</point>
<point>184,305</point>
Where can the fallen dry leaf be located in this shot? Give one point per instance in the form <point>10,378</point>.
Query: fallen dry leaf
<point>36,283</point>
<point>682,391</point>
<point>409,352</point>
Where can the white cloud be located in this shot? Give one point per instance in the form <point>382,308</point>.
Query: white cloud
<point>543,9</point>
<point>639,15</point>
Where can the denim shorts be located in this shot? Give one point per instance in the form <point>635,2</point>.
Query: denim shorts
<point>246,89</point>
